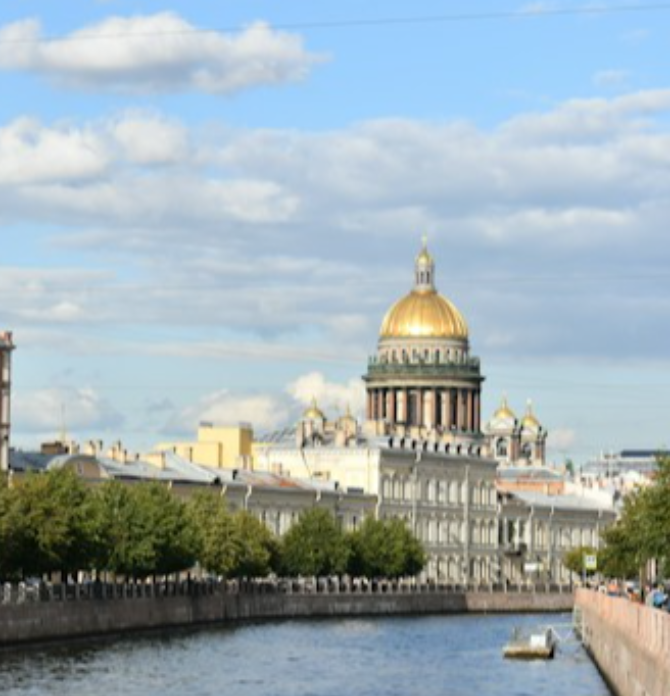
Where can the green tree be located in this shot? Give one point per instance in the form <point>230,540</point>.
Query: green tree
<point>315,545</point>
<point>12,534</point>
<point>123,543</point>
<point>573,559</point>
<point>167,527</point>
<point>256,546</point>
<point>218,543</point>
<point>56,515</point>
<point>643,530</point>
<point>385,548</point>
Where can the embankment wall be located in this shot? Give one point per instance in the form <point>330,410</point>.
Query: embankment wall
<point>32,622</point>
<point>628,641</point>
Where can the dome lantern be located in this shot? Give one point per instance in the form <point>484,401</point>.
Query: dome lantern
<point>424,269</point>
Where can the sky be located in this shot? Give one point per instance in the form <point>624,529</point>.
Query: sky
<point>207,208</point>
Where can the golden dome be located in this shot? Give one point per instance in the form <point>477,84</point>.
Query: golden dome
<point>423,314</point>
<point>313,412</point>
<point>504,411</point>
<point>530,421</point>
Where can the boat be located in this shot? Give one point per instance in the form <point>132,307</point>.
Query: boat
<point>535,645</point>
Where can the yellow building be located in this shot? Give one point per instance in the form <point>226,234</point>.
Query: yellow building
<point>217,446</point>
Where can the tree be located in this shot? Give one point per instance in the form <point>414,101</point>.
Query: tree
<point>12,533</point>
<point>315,545</point>
<point>142,530</point>
<point>385,548</point>
<point>123,543</point>
<point>217,536</point>
<point>167,528</point>
<point>55,513</point>
<point>574,561</point>
<point>643,530</point>
<point>256,546</point>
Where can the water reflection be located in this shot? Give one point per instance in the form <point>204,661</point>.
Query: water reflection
<point>430,656</point>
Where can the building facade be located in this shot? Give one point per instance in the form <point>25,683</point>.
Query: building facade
<point>6,348</point>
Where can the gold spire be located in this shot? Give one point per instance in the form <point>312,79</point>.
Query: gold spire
<point>424,256</point>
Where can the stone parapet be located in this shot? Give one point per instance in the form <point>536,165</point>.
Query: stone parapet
<point>71,619</point>
<point>629,642</point>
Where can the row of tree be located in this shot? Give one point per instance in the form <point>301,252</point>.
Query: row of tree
<point>53,522</point>
<point>642,533</point>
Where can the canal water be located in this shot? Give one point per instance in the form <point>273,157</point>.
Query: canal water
<point>422,656</point>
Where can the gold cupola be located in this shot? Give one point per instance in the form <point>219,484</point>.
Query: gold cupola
<point>504,412</point>
<point>313,412</point>
<point>530,421</point>
<point>424,313</point>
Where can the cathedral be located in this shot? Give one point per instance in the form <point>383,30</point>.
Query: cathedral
<point>423,382</point>
<point>424,456</point>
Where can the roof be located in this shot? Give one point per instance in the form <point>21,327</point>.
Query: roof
<point>561,502</point>
<point>529,473</point>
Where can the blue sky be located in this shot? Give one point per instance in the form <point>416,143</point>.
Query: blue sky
<point>206,209</point>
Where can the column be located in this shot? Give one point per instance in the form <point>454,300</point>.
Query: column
<point>444,419</point>
<point>477,413</point>
<point>390,405</point>
<point>369,406</point>
<point>468,410</point>
<point>433,411</point>
<point>459,409</point>
<point>428,408</point>
<point>402,406</point>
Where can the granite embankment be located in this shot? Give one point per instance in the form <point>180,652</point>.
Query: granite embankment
<point>628,641</point>
<point>66,617</point>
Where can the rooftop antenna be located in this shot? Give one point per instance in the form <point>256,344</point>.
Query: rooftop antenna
<point>62,436</point>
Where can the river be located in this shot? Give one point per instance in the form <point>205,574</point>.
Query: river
<point>423,656</point>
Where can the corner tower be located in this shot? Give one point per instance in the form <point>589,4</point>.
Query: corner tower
<point>423,381</point>
<point>6,348</point>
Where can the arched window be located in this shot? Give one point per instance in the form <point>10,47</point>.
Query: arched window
<point>501,447</point>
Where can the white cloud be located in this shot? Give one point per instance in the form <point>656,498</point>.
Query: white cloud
<point>147,140</point>
<point>611,78</point>
<point>294,237</point>
<point>31,154</point>
<point>333,398</point>
<point>263,411</point>
<point>272,410</point>
<point>51,410</point>
<point>158,53</point>
<point>561,439</point>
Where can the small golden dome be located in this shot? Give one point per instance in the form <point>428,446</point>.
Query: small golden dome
<point>423,314</point>
<point>504,411</point>
<point>313,412</point>
<point>530,421</point>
